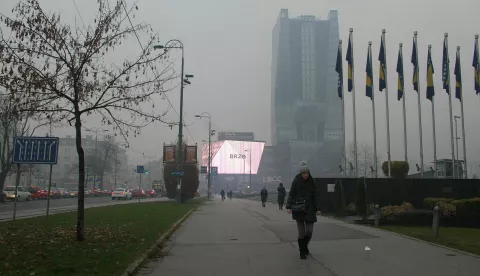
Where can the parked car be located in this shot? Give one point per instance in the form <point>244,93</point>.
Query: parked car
<point>121,193</point>
<point>150,193</point>
<point>138,193</point>
<point>62,192</point>
<point>22,193</point>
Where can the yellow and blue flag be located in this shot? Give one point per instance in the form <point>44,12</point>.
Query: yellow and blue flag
<point>383,65</point>
<point>339,70</point>
<point>401,79</point>
<point>350,63</point>
<point>369,77</point>
<point>430,72</point>
<point>476,66</point>
<point>458,78</point>
<point>446,67</point>
<point>414,61</point>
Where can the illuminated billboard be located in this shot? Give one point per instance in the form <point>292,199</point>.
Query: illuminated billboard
<point>234,157</point>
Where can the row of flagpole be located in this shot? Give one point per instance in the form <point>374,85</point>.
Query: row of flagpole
<point>383,86</point>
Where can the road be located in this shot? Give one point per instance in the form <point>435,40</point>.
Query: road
<point>38,207</point>
<point>239,237</point>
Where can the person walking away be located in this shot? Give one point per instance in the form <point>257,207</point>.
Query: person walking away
<point>264,196</point>
<point>302,203</point>
<point>222,193</point>
<point>282,193</point>
<point>230,194</point>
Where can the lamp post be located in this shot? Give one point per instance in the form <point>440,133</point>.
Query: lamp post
<point>250,180</point>
<point>183,80</point>
<point>210,134</point>
<point>456,169</point>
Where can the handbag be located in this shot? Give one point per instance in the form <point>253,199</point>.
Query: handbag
<point>299,206</point>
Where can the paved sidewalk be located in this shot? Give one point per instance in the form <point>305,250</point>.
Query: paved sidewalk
<point>240,237</point>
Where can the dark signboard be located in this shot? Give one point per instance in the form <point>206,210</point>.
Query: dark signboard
<point>236,136</point>
<point>191,154</point>
<point>169,154</point>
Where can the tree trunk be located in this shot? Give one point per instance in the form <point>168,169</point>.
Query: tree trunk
<point>81,179</point>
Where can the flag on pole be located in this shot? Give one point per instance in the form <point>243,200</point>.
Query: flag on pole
<point>401,80</point>
<point>415,65</point>
<point>383,63</point>
<point>446,67</point>
<point>350,63</point>
<point>369,77</point>
<point>430,72</point>
<point>339,70</point>
<point>476,66</point>
<point>458,78</point>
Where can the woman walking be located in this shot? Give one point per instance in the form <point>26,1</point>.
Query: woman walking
<point>282,193</point>
<point>302,203</point>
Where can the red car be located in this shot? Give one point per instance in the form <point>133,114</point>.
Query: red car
<point>37,193</point>
<point>150,193</point>
<point>138,193</point>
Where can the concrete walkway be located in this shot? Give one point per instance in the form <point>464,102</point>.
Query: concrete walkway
<point>240,237</point>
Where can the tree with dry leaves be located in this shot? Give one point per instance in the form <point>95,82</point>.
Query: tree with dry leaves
<point>67,71</point>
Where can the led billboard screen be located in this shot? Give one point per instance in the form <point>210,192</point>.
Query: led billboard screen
<point>233,157</point>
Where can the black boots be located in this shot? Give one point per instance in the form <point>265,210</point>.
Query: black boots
<point>301,248</point>
<point>307,240</point>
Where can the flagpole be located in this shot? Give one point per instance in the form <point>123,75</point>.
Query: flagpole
<point>463,122</point>
<point>388,112</point>
<point>419,104</point>
<point>478,59</point>
<point>343,120</point>
<point>404,110</point>
<point>354,109</point>
<point>450,106</point>
<point>374,120</point>
<point>433,127</point>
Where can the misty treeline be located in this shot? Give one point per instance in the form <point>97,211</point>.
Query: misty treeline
<point>56,70</point>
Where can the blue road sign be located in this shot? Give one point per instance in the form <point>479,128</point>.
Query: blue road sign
<point>214,171</point>
<point>178,173</point>
<point>35,150</point>
<point>140,169</point>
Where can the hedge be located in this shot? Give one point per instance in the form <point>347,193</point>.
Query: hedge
<point>468,211</point>
<point>429,202</point>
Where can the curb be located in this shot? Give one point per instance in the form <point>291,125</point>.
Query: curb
<point>138,263</point>
<point>410,238</point>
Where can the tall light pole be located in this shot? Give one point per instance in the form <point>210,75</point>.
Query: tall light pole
<point>456,168</point>
<point>250,181</point>
<point>183,80</point>
<point>210,134</point>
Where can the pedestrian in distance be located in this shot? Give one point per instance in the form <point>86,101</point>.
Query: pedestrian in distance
<point>302,203</point>
<point>230,194</point>
<point>264,196</point>
<point>222,193</point>
<point>282,193</point>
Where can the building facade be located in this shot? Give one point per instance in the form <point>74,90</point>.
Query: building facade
<point>306,110</point>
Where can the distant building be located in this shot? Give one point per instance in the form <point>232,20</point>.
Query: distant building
<point>444,170</point>
<point>306,110</point>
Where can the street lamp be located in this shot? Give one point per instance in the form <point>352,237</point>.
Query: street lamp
<point>210,134</point>
<point>456,169</point>
<point>250,181</point>
<point>183,80</point>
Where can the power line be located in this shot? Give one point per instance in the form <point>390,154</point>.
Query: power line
<point>79,14</point>
<point>140,43</point>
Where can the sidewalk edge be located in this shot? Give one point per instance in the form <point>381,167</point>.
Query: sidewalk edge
<point>409,237</point>
<point>132,268</point>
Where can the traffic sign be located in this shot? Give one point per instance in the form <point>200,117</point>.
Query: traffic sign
<point>214,171</point>
<point>140,169</point>
<point>178,173</point>
<point>35,150</point>
<point>203,169</point>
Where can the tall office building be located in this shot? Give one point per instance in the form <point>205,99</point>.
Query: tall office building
<point>306,110</point>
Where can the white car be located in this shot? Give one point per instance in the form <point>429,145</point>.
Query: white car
<point>22,193</point>
<point>121,193</point>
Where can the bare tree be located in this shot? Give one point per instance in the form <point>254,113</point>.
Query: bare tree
<point>105,159</point>
<point>366,160</point>
<point>63,71</point>
<point>11,125</point>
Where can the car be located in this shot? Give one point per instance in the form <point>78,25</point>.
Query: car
<point>138,193</point>
<point>73,193</point>
<point>22,193</point>
<point>62,192</point>
<point>151,193</point>
<point>121,193</point>
<point>36,193</point>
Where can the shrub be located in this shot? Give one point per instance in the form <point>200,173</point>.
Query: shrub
<point>393,213</point>
<point>446,209</point>
<point>351,209</point>
<point>429,202</point>
<point>398,169</point>
<point>468,211</point>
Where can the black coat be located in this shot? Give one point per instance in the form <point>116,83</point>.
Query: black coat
<point>301,190</point>
<point>281,192</point>
<point>264,194</point>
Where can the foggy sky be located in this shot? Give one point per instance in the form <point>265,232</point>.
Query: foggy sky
<point>228,48</point>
